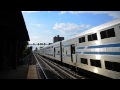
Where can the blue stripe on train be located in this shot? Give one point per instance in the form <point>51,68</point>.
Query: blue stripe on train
<point>108,53</point>
<point>105,46</point>
<point>66,45</point>
<point>68,55</point>
<point>80,47</point>
<point>57,54</point>
<point>77,52</point>
<point>57,47</point>
<point>99,46</point>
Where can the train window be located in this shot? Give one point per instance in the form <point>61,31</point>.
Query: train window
<point>111,32</point>
<point>81,60</point>
<point>103,34</point>
<point>95,63</point>
<point>107,33</point>
<point>112,66</point>
<point>58,51</point>
<point>80,40</point>
<point>94,36</point>
<point>92,62</point>
<point>89,38</point>
<point>108,65</point>
<point>116,66</point>
<point>66,52</point>
<point>83,39</point>
<point>84,60</point>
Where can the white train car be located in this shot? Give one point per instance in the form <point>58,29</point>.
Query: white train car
<point>98,49</point>
<point>68,51</point>
<point>53,51</point>
<point>48,51</point>
<point>57,54</point>
<point>41,51</point>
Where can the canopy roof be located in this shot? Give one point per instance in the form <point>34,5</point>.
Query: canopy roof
<point>12,26</point>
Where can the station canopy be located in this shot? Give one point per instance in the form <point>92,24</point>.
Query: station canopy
<point>12,26</point>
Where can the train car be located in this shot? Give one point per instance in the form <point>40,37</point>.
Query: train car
<point>41,51</point>
<point>48,51</point>
<point>68,51</point>
<point>98,50</point>
<point>53,51</point>
<point>57,51</point>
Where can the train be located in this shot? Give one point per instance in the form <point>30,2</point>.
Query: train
<point>96,50</point>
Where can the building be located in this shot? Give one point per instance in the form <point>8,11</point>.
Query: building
<point>56,39</point>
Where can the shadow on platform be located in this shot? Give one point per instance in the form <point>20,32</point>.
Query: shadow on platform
<point>20,73</point>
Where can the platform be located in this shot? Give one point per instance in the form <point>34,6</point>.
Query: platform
<point>20,73</point>
<point>32,72</point>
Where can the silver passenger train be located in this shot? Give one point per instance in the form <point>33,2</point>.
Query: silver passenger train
<point>96,50</point>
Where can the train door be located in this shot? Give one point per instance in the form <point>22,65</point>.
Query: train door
<point>73,56</point>
<point>54,52</point>
<point>61,51</point>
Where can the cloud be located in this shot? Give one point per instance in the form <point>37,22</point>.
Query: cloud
<point>114,14</point>
<point>30,11</point>
<point>47,31</point>
<point>38,39</point>
<point>35,39</point>
<point>37,25</point>
<point>70,28</point>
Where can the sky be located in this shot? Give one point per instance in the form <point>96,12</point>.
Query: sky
<point>42,26</point>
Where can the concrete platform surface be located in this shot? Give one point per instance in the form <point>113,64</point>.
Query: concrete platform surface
<point>32,72</point>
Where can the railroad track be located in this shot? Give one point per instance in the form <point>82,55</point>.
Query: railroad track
<point>51,70</point>
<point>45,70</point>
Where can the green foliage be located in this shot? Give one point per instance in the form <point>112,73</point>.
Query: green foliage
<point>26,50</point>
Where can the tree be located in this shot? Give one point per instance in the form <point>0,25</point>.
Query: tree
<point>26,50</point>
